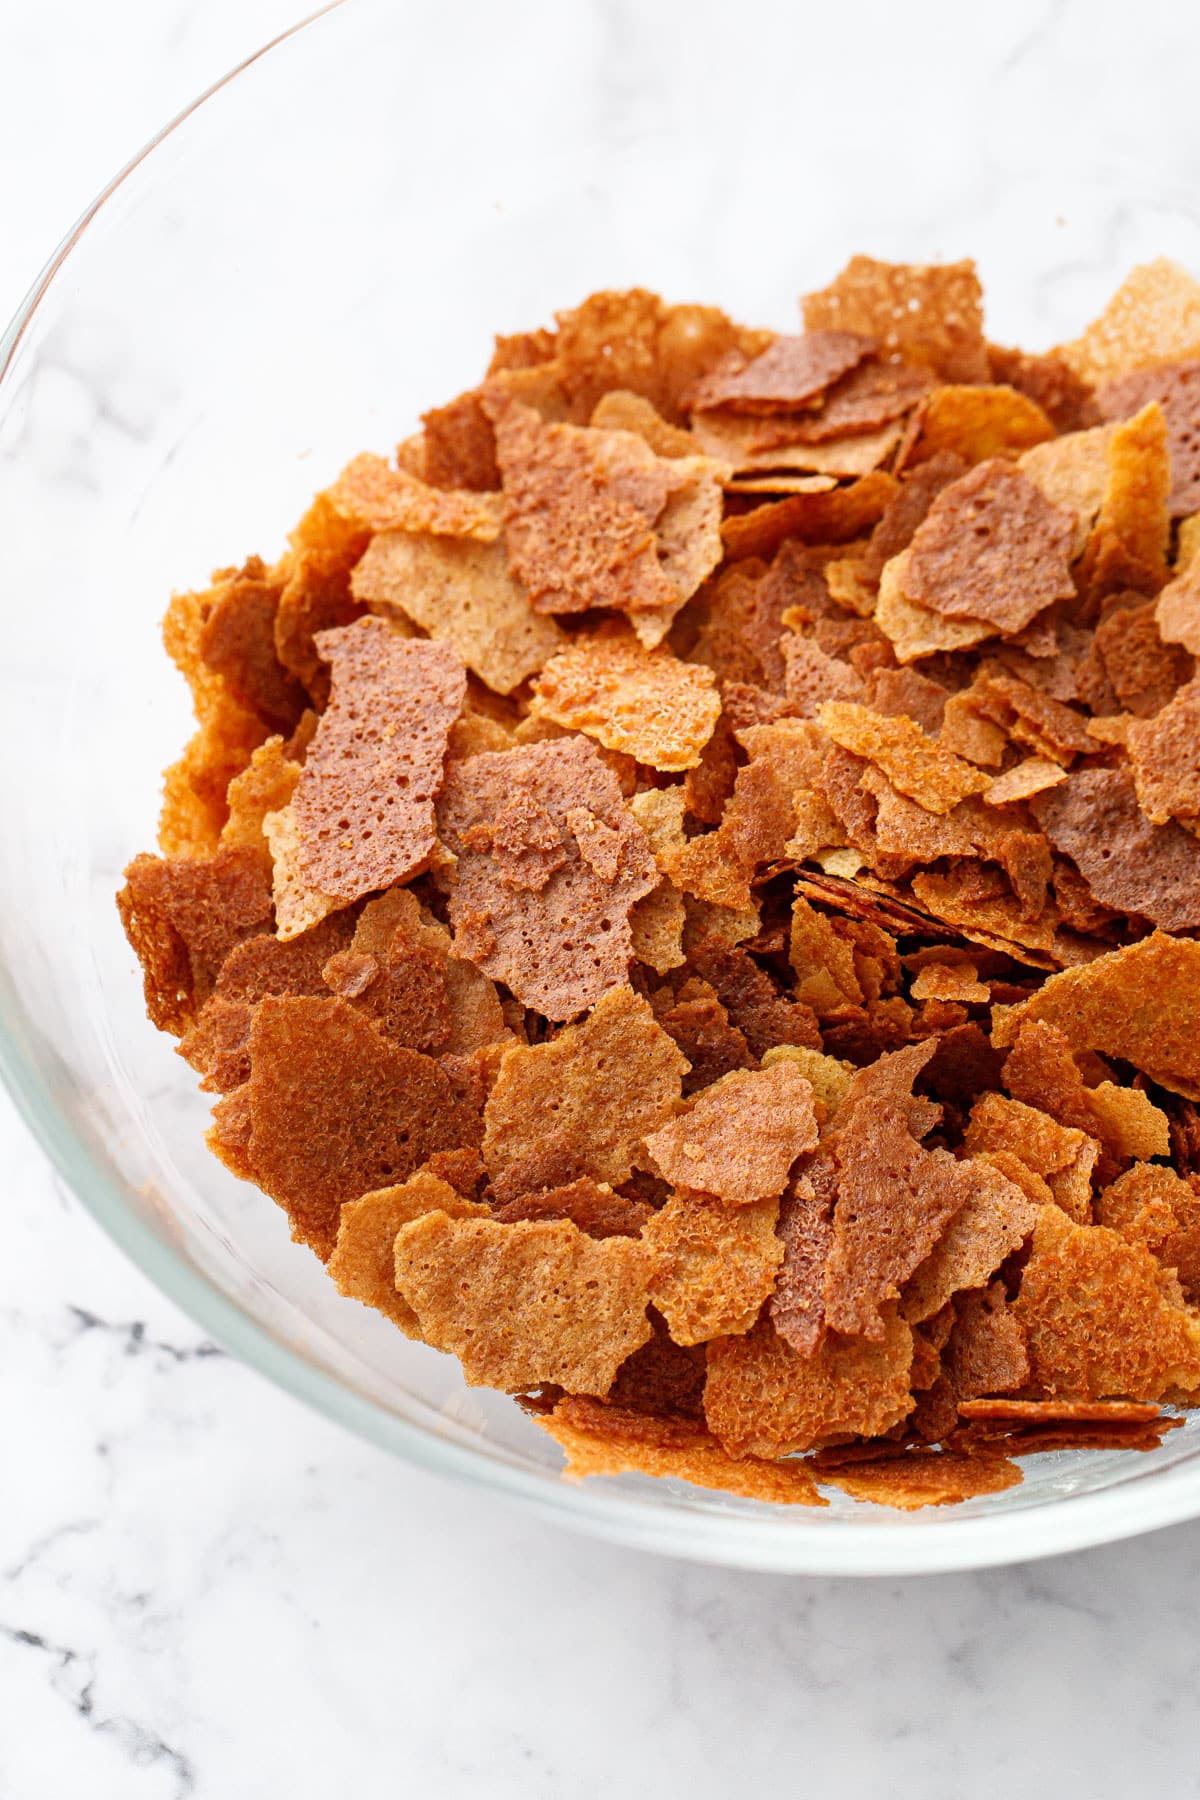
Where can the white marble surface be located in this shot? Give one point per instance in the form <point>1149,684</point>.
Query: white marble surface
<point>206,1591</point>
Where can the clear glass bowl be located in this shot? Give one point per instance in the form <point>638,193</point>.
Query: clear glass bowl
<point>307,259</point>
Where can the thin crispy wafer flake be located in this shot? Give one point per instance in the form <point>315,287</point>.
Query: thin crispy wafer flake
<point>1178,608</point>
<point>337,1110</point>
<point>182,918</point>
<point>267,785</point>
<point>461,593</point>
<point>373,497</point>
<point>1154,317</point>
<point>930,314</point>
<point>717,1264</point>
<point>992,547</point>
<point>524,1304</point>
<point>913,629</point>
<point>581,511</point>
<point>550,862</point>
<point>759,820</point>
<point>363,1263</point>
<point>601,1085</point>
<point>894,1197</point>
<point>1072,472</point>
<point>363,806</point>
<point>994,1219</point>
<point>645,703</point>
<point>609,1440</point>
<point>1127,862</point>
<point>927,1478</point>
<point>979,422</point>
<point>739,1138</point>
<point>914,763</point>
<point>1164,752</point>
<point>298,907</point>
<point>1048,1412</point>
<point>1176,387</point>
<point>656,925</point>
<point>936,980</point>
<point>622,410</point>
<point>1141,1003</point>
<point>986,1351</point>
<point>1101,1318</point>
<point>763,1399</point>
<point>1128,544</point>
<point>790,373</point>
<point>1032,776</point>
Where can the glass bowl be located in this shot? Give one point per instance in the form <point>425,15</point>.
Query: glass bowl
<point>292,272</point>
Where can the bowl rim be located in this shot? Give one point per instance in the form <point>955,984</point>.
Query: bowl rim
<point>781,1542</point>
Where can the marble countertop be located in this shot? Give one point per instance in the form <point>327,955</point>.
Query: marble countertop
<point>207,1591</point>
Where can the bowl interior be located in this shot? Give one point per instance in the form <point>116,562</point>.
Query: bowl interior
<point>308,260</point>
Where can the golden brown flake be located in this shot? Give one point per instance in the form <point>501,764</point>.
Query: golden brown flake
<point>1176,387</point>
<point>935,778</point>
<point>928,314</point>
<point>1128,544</point>
<point>457,448</point>
<point>266,785</point>
<point>994,1219</point>
<point>915,630</point>
<point>549,863</point>
<point>1032,776</point>
<point>622,410</point>
<point>738,1139</point>
<point>1046,1412</point>
<point>1062,1155</point>
<point>836,517</point>
<point>336,1110</point>
<point>182,917</point>
<point>364,804</point>
<point>759,820</point>
<point>521,1305</point>
<point>894,1197</point>
<point>927,1478</point>
<point>643,702</point>
<point>791,372</point>
<point>991,548</point>
<point>461,593</point>
<point>656,926</point>
<point>1152,1205</point>
<point>938,980</point>
<point>194,804</point>
<point>716,1267</point>
<point>979,422</point>
<point>363,1263</point>
<point>1164,753</point>
<point>236,644</point>
<point>1154,317</point>
<point>986,1351</point>
<point>372,497</point>
<point>581,511</point>
<point>1177,608</point>
<point>763,1399</point>
<point>606,1440</point>
<point>1072,472</point>
<point>1128,863</point>
<point>592,1205</point>
<point>1102,1319</point>
<point>1139,1003</point>
<point>603,1084</point>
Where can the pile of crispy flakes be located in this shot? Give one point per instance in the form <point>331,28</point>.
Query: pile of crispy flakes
<point>685,884</point>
